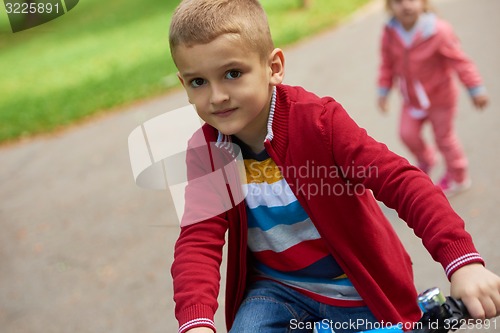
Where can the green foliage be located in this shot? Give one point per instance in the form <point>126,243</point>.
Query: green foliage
<point>103,54</point>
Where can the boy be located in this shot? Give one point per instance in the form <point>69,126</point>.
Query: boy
<point>308,241</point>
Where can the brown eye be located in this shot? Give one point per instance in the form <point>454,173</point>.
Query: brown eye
<point>197,82</point>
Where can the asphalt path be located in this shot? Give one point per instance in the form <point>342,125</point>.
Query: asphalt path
<point>83,249</point>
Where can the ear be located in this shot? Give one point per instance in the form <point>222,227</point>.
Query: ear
<point>180,78</point>
<point>277,66</point>
<point>183,84</point>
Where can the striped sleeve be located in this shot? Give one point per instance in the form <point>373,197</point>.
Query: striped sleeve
<point>199,322</point>
<point>462,261</point>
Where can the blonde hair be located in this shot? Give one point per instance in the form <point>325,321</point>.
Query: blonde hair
<point>427,6</point>
<point>202,21</point>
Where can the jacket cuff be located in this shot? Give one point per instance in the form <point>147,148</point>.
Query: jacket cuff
<point>383,91</point>
<point>474,91</point>
<point>457,255</point>
<point>196,316</point>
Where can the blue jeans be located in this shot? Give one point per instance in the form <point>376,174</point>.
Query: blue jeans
<point>270,307</point>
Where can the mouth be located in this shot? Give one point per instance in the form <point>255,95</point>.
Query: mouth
<point>224,113</point>
<point>408,13</point>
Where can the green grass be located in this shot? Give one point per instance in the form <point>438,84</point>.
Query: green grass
<point>103,54</point>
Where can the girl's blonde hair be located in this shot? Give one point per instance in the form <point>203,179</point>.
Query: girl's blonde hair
<point>202,21</point>
<point>427,6</point>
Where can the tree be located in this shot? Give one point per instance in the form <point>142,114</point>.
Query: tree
<point>305,3</point>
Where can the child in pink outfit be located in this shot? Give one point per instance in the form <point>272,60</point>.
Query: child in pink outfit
<point>422,52</point>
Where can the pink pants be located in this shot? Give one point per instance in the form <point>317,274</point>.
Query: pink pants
<point>442,121</point>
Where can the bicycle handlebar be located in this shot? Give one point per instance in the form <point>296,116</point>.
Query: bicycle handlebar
<point>441,314</point>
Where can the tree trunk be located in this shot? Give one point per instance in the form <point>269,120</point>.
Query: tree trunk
<point>305,3</point>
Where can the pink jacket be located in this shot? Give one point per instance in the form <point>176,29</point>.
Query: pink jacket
<point>317,132</point>
<point>425,67</point>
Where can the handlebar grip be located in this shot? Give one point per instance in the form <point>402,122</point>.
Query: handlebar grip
<point>456,310</point>
<point>461,307</point>
<point>440,314</point>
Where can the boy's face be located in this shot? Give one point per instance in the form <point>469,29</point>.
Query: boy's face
<point>229,85</point>
<point>407,11</point>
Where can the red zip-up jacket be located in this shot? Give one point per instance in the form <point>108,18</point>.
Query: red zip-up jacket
<point>317,132</point>
<point>429,62</point>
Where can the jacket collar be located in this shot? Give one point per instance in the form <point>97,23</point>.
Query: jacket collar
<point>424,28</point>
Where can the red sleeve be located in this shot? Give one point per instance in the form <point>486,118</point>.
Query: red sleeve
<point>403,187</point>
<point>386,75</point>
<point>451,50</point>
<point>198,250</point>
<point>195,272</point>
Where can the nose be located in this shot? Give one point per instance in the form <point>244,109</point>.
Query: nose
<point>218,94</point>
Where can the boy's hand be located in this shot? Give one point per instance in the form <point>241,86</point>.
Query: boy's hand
<point>382,104</point>
<point>479,289</point>
<point>480,101</point>
<point>200,330</point>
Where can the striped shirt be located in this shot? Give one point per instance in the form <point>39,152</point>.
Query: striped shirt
<point>283,239</point>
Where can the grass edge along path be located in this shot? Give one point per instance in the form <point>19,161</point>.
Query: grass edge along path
<point>98,57</point>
